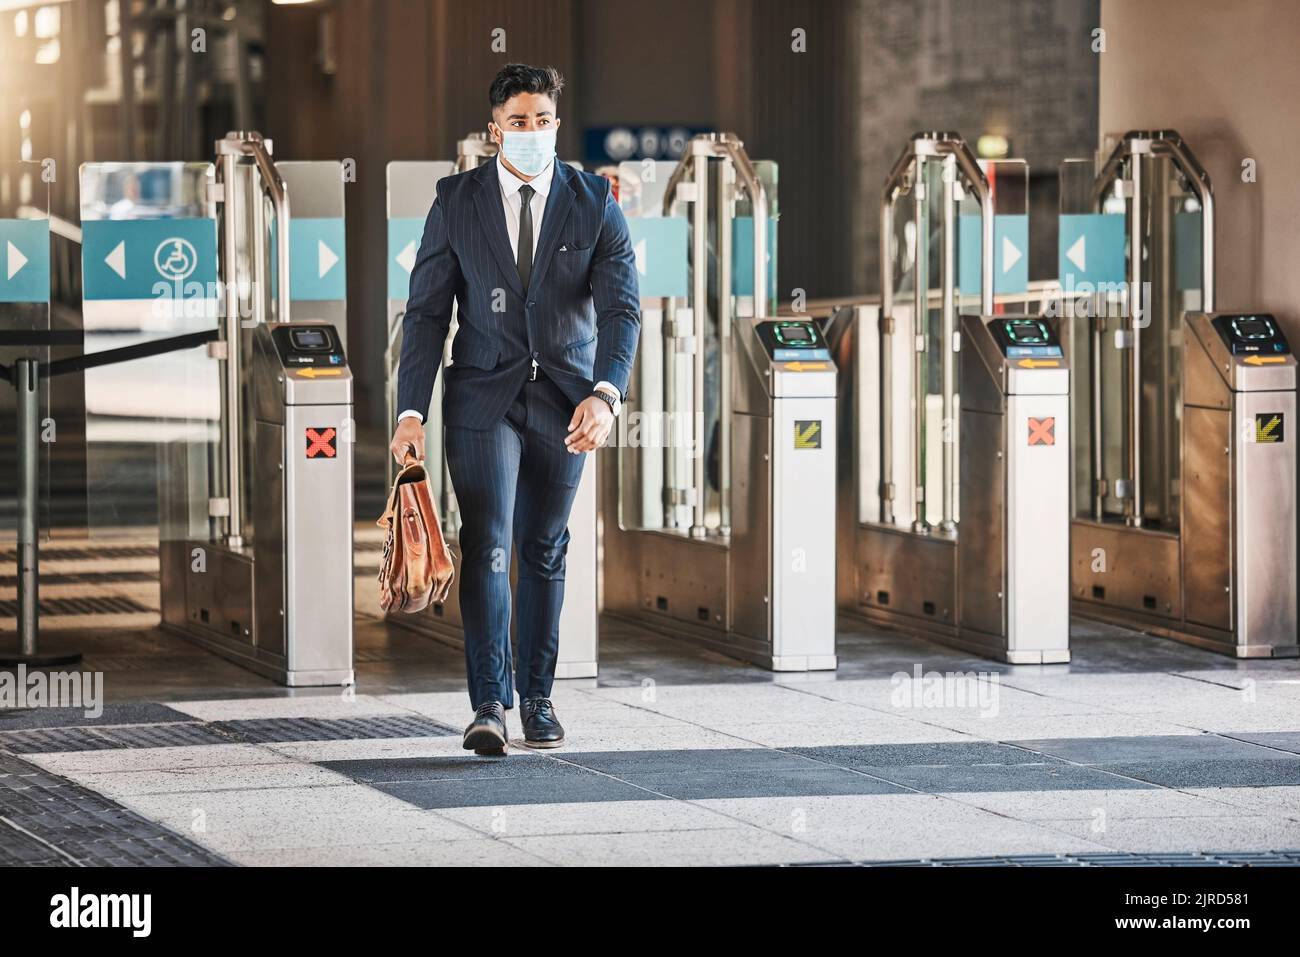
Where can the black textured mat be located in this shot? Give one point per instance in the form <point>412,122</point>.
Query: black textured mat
<point>271,730</point>
<point>47,821</point>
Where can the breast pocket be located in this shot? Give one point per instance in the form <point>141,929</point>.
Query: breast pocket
<point>574,257</point>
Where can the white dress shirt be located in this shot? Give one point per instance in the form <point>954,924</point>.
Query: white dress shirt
<point>511,203</point>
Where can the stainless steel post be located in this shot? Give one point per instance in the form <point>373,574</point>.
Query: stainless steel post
<point>726,311</point>
<point>1133,445</point>
<point>274,187</point>
<point>740,167</point>
<point>27,382</point>
<point>1097,325</point>
<point>921,329</point>
<point>231,426</point>
<point>886,323</point>
<point>699,308</point>
<point>948,307</point>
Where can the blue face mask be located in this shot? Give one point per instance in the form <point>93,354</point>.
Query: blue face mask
<point>528,150</point>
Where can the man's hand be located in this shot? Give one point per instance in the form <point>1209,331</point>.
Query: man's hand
<point>408,439</point>
<point>590,425</point>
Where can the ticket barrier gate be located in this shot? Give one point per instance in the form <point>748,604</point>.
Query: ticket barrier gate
<point>720,528</point>
<point>411,192</point>
<point>1001,588</point>
<point>1185,518</point>
<point>256,555</point>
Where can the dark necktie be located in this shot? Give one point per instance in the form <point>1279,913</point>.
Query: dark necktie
<point>525,259</point>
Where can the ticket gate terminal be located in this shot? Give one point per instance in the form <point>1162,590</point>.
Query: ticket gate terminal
<point>719,519</point>
<point>412,187</point>
<point>1185,526</point>
<point>1013,579</point>
<point>1001,588</point>
<point>256,553</point>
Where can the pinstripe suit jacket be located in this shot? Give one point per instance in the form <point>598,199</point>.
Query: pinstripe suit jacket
<point>579,317</point>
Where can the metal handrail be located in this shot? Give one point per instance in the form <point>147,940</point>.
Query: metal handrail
<point>473,149</point>
<point>905,176</point>
<point>694,162</point>
<point>229,150</point>
<point>1133,145</point>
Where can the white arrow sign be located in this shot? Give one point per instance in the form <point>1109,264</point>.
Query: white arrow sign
<point>16,260</point>
<point>406,258</point>
<point>1010,254</point>
<point>116,260</point>
<point>325,258</point>
<point>1077,254</point>
<point>639,250</point>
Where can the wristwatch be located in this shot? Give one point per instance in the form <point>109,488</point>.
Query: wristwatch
<point>614,403</point>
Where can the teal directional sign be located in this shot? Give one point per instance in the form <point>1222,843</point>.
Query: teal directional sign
<point>404,235</point>
<point>661,254</point>
<point>24,260</point>
<point>148,258</point>
<point>1010,253</point>
<point>317,261</point>
<point>1090,249</point>
<point>742,258</point>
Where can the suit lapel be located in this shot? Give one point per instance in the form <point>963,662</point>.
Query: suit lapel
<point>492,218</point>
<point>558,204</point>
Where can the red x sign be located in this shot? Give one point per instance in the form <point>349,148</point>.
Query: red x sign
<point>1042,431</point>
<point>322,443</point>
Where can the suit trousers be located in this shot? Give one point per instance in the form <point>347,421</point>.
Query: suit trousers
<point>515,484</point>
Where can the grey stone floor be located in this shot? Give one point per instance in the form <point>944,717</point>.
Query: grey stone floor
<point>675,755</point>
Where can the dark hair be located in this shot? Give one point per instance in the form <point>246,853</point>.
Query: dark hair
<point>516,78</point>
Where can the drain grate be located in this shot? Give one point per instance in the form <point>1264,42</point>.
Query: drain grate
<point>1114,859</point>
<point>180,734</point>
<point>66,553</point>
<point>85,578</point>
<point>115,605</point>
<point>47,821</point>
<point>271,730</point>
<point>177,734</point>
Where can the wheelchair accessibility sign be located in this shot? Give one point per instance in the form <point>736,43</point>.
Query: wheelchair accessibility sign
<point>175,259</point>
<point>148,258</point>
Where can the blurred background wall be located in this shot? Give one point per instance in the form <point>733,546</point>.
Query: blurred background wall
<point>1240,105</point>
<point>381,80</point>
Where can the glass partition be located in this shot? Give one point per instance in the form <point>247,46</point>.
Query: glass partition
<point>1096,250</point>
<point>149,262</point>
<point>25,328</point>
<point>658,457</point>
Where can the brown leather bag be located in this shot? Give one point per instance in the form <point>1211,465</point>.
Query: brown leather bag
<point>416,570</point>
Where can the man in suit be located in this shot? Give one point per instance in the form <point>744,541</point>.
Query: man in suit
<point>537,258</point>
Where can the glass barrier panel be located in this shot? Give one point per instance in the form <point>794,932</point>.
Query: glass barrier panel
<point>149,266</point>
<point>25,330</point>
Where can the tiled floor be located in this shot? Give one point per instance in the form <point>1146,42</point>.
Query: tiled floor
<point>1081,761</point>
<point>675,756</point>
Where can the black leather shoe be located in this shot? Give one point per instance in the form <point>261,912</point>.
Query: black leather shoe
<point>541,729</point>
<point>486,734</point>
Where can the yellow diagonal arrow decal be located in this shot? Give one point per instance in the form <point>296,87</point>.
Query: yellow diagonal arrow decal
<point>805,366</point>
<point>1264,360</point>
<point>1039,363</point>
<point>311,373</point>
<point>803,438</point>
<point>1267,429</point>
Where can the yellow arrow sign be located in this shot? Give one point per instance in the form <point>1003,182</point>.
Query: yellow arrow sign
<point>1039,363</point>
<point>806,437</point>
<point>1264,360</point>
<point>805,367</point>
<point>313,373</point>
